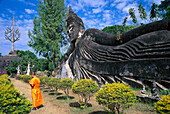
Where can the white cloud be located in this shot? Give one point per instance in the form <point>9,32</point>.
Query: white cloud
<point>134,5</point>
<point>30,11</point>
<point>98,10</point>
<point>121,5</point>
<point>10,11</point>
<point>113,4</point>
<point>3,15</point>
<point>78,5</point>
<point>93,3</point>
<point>21,16</point>
<point>29,3</point>
<point>154,1</point>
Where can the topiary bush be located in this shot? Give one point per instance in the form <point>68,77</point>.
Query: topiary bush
<point>65,85</point>
<point>116,97</point>
<point>163,106</point>
<point>84,88</point>
<point>11,102</point>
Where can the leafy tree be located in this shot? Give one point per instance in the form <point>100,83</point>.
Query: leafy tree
<point>143,14</point>
<point>164,7</point>
<point>124,23</point>
<point>65,85</point>
<point>27,54</point>
<point>0,54</point>
<point>49,32</point>
<point>167,14</point>
<point>154,14</point>
<point>132,15</point>
<point>119,28</point>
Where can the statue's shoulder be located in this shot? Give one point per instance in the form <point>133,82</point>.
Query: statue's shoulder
<point>96,31</point>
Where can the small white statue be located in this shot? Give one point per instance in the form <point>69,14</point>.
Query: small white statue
<point>28,69</point>
<point>18,70</point>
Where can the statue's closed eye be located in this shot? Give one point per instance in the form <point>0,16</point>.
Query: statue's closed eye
<point>71,28</point>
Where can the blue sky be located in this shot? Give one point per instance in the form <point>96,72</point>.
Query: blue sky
<point>94,13</point>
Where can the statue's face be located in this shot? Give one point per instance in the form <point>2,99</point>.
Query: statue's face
<point>74,30</point>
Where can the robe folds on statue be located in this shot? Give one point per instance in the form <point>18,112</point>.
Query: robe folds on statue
<point>36,92</point>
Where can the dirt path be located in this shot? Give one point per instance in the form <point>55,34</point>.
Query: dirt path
<point>51,106</point>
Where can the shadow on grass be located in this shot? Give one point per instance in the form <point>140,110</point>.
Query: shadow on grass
<point>52,90</point>
<point>46,91</point>
<point>77,105</point>
<point>99,112</point>
<point>64,97</point>
<point>55,93</point>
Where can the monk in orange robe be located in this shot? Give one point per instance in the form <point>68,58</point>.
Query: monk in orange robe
<point>36,92</point>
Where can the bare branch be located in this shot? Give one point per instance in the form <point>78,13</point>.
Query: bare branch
<point>17,35</point>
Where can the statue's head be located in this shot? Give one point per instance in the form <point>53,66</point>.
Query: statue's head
<point>75,26</point>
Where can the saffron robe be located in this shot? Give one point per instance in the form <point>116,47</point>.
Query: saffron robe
<point>36,92</point>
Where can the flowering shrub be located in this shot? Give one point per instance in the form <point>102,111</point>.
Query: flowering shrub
<point>163,106</point>
<point>4,72</point>
<point>84,88</point>
<point>10,99</point>
<point>116,97</point>
<point>65,85</point>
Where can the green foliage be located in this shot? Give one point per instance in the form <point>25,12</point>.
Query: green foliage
<point>164,7</point>
<point>132,15</point>
<point>164,92</point>
<point>116,97</point>
<point>167,14</point>
<point>12,68</point>
<point>124,23</point>
<point>49,33</point>
<point>163,106</point>
<point>10,99</point>
<point>119,28</point>
<point>143,14</point>
<point>53,83</point>
<point>84,88</point>
<point>25,78</point>
<point>65,85</point>
<point>154,14</point>
<point>44,81</point>
<point>0,54</point>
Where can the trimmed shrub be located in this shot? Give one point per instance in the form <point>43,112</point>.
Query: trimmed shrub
<point>116,97</point>
<point>54,83</point>
<point>44,81</point>
<point>10,99</point>
<point>25,78</point>
<point>65,85</point>
<point>163,106</point>
<point>84,88</point>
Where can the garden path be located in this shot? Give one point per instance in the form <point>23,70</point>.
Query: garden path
<point>50,104</point>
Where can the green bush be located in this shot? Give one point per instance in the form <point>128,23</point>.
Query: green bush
<point>65,85</point>
<point>84,88</point>
<point>116,97</point>
<point>10,99</point>
<point>25,78</point>
<point>54,83</point>
<point>44,81</point>
<point>163,106</point>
